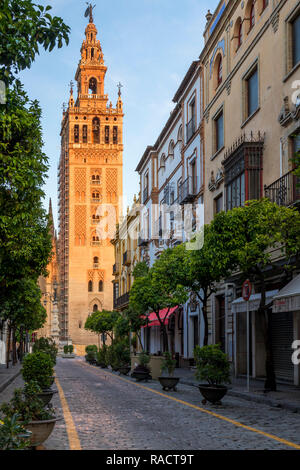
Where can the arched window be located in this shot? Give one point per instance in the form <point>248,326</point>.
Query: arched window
<point>96,178</point>
<point>96,260</point>
<point>96,131</point>
<point>90,286</point>
<point>252,16</point>
<point>219,70</point>
<point>240,35</point>
<point>93,84</point>
<point>95,308</point>
<point>100,287</point>
<point>162,161</point>
<point>171,149</point>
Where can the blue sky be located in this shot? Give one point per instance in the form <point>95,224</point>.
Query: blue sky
<point>148,45</point>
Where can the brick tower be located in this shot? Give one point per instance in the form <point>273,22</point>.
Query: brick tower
<point>90,176</point>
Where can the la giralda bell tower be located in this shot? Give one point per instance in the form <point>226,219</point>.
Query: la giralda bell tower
<point>90,178</point>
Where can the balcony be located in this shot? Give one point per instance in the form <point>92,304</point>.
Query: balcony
<point>187,191</point>
<point>145,194</point>
<point>122,301</point>
<point>116,269</point>
<point>190,129</point>
<point>142,241</point>
<point>127,258</point>
<point>285,191</point>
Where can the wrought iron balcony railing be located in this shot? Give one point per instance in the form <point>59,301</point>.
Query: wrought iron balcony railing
<point>121,301</point>
<point>187,191</point>
<point>285,191</point>
<point>145,194</point>
<point>190,129</point>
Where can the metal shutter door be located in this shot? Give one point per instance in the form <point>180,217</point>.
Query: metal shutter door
<point>282,339</point>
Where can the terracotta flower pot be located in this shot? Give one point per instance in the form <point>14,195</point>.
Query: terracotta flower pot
<point>40,430</point>
<point>213,393</point>
<point>169,383</point>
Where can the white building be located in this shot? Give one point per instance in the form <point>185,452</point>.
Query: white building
<point>171,181</point>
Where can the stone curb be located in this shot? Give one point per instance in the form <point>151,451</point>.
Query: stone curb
<point>294,407</point>
<point>5,384</point>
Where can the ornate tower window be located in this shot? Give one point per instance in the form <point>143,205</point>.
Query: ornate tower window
<point>115,135</point>
<point>93,83</point>
<point>85,134</point>
<point>100,286</point>
<point>107,134</point>
<point>76,134</point>
<point>96,131</point>
<point>90,286</point>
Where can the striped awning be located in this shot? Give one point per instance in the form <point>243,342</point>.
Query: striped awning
<point>288,298</point>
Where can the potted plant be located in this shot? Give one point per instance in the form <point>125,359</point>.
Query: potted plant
<point>91,352</point>
<point>214,367</point>
<point>122,354</point>
<point>46,345</point>
<point>142,371</point>
<point>134,344</point>
<point>38,367</point>
<point>13,435</point>
<point>32,414</point>
<point>168,382</point>
<point>68,352</point>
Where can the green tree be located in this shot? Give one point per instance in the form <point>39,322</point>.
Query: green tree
<point>102,323</point>
<point>155,292</point>
<point>264,235</point>
<point>136,321</point>
<point>25,248</point>
<point>25,28</point>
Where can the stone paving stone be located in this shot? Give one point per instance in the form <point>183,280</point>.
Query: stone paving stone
<point>111,414</point>
<point>114,415</point>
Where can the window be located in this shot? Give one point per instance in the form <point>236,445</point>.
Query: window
<point>93,86</point>
<point>76,134</point>
<point>95,308</point>
<point>194,177</point>
<point>263,4</point>
<point>90,286</point>
<point>100,286</point>
<point>191,125</point>
<point>240,35</point>
<point>296,40</point>
<point>252,92</point>
<point>115,135</point>
<point>96,179</point>
<point>84,134</point>
<point>219,132</point>
<point>220,71</point>
<point>252,16</point>
<point>96,262</point>
<point>96,131</point>
<point>96,196</point>
<point>107,134</point>
<point>218,204</point>
<point>243,173</point>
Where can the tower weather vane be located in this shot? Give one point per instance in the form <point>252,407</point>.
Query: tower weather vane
<point>89,11</point>
<point>120,86</point>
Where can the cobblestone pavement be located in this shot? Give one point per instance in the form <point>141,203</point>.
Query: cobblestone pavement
<point>113,414</point>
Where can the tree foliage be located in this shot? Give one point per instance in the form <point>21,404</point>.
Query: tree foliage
<point>25,28</point>
<point>102,322</point>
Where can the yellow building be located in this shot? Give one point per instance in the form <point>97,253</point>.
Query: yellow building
<point>90,188</point>
<point>127,255</point>
<point>50,290</point>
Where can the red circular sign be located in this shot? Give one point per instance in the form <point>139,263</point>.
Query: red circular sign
<point>247,290</point>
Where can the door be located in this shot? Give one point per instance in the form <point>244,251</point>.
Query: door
<point>282,340</point>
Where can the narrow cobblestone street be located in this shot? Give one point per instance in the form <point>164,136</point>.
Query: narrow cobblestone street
<point>113,413</point>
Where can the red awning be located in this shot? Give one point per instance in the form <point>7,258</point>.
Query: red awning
<point>163,315</point>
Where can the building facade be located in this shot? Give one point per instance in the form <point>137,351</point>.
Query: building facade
<point>251,132</point>
<point>90,190</point>
<point>127,255</point>
<point>50,290</point>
